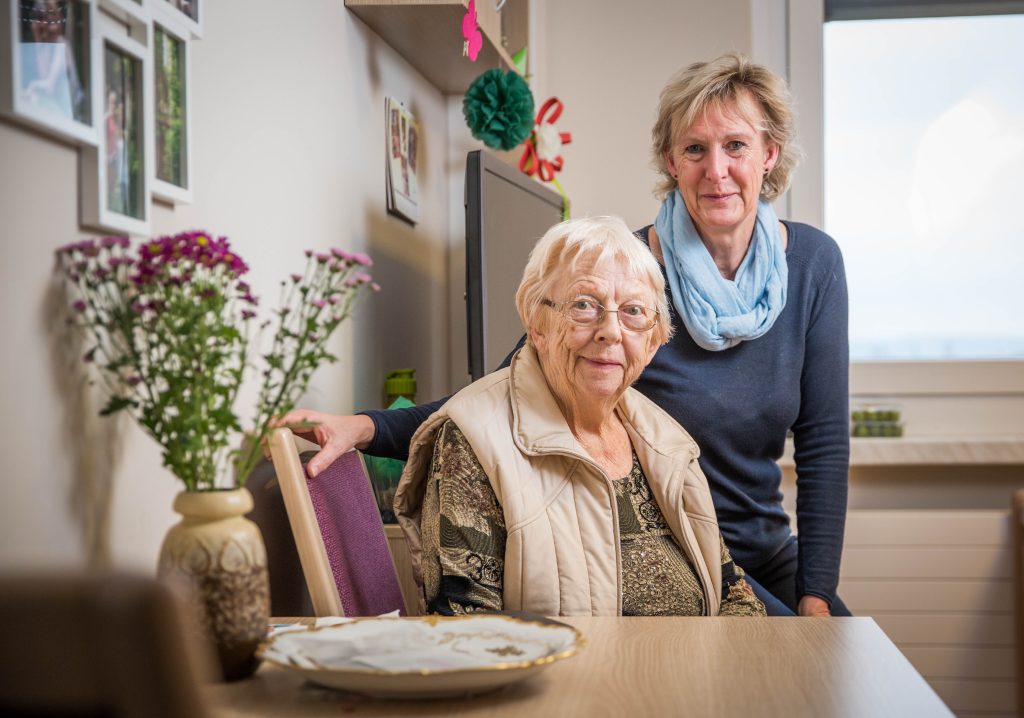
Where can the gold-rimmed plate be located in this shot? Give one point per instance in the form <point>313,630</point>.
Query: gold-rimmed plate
<point>425,657</point>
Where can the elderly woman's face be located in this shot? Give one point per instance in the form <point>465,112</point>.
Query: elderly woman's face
<point>720,163</point>
<point>602,360</point>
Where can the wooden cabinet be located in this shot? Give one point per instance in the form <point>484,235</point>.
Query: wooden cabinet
<point>428,33</point>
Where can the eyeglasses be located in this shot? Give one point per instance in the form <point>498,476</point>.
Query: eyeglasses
<point>586,312</point>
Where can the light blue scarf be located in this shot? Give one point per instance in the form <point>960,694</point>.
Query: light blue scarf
<point>720,313</point>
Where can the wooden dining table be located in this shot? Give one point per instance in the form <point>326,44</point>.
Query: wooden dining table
<point>820,667</point>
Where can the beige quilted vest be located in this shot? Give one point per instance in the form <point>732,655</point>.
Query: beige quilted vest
<point>562,551</point>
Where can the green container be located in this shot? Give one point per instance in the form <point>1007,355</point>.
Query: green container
<point>400,383</point>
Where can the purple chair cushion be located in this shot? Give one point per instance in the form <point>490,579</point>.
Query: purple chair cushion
<point>353,535</point>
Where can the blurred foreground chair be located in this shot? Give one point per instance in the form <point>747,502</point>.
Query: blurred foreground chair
<point>338,533</point>
<point>1018,572</point>
<point>96,645</point>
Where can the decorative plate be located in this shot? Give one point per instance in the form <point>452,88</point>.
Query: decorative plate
<point>425,657</point>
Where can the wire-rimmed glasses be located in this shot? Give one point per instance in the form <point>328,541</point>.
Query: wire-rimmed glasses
<point>588,312</point>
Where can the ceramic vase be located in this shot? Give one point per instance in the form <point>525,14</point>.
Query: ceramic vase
<point>219,554</point>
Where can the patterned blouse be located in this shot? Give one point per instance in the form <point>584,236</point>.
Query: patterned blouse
<point>463,532</point>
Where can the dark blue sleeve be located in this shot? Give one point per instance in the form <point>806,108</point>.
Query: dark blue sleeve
<point>393,428</point>
<point>821,438</point>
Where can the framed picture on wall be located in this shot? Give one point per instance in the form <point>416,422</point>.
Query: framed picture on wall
<point>187,12</point>
<point>50,67</point>
<point>171,128</point>
<point>402,141</point>
<point>133,13</point>
<point>115,176</point>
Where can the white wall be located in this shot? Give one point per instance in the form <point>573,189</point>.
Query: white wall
<point>289,153</point>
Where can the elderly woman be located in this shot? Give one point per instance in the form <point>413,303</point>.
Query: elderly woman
<point>760,309</point>
<point>552,486</point>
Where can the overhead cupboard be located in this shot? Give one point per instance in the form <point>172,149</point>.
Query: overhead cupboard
<point>112,78</point>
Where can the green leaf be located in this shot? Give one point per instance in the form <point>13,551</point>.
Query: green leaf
<point>116,404</point>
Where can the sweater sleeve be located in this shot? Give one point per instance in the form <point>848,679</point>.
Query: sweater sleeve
<point>393,428</point>
<point>821,437</point>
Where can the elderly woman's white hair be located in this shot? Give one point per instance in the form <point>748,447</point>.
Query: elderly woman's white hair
<point>600,240</point>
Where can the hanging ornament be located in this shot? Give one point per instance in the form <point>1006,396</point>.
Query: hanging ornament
<point>498,108</point>
<point>542,152</point>
<point>519,60</point>
<point>473,40</point>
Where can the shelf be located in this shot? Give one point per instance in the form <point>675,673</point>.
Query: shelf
<point>429,35</point>
<point>930,451</point>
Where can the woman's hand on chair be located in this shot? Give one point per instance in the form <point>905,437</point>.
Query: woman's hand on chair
<point>333,433</point>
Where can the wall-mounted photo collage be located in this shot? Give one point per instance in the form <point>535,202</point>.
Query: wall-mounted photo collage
<point>112,78</point>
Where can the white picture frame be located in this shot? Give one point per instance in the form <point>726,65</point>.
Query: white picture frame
<point>172,174</point>
<point>43,83</point>
<point>133,13</point>
<point>115,175</point>
<point>186,14</point>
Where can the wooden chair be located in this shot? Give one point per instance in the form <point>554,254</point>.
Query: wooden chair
<point>98,645</point>
<point>338,533</point>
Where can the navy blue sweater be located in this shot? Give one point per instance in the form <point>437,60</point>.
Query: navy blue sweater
<point>738,404</point>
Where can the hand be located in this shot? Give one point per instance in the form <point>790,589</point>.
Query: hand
<point>813,606</point>
<point>335,434</point>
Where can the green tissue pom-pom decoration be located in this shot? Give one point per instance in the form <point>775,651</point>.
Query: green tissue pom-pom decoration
<point>498,108</point>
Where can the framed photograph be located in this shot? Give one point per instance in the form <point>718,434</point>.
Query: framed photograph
<point>115,175</point>
<point>402,132</point>
<point>171,130</point>
<point>186,13</point>
<point>50,67</point>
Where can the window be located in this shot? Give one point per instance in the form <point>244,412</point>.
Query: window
<point>923,144</point>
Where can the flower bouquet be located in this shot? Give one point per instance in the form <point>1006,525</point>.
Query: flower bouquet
<point>168,328</point>
<point>169,333</point>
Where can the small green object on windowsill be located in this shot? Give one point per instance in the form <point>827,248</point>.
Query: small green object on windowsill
<point>876,421</point>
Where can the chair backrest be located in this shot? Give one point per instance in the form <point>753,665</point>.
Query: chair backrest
<point>338,533</point>
<point>99,645</point>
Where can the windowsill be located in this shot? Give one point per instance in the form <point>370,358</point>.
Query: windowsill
<point>929,451</point>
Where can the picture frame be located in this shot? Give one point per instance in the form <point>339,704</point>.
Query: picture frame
<point>186,14</point>
<point>115,174</point>
<point>169,114</point>
<point>402,133</point>
<point>49,70</point>
<point>133,13</point>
